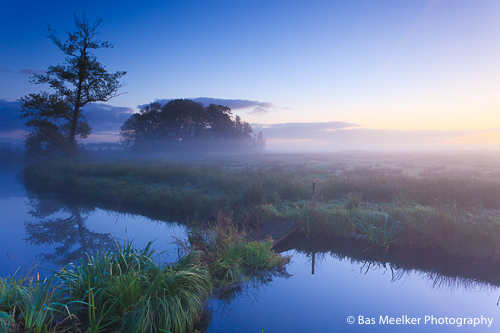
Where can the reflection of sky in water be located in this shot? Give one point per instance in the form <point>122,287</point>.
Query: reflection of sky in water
<point>303,303</point>
<point>16,251</point>
<point>338,289</point>
<point>140,230</point>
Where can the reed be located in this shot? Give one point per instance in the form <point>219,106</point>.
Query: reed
<point>229,256</point>
<point>32,305</point>
<point>126,290</point>
<point>119,290</point>
<point>457,233</point>
<point>377,234</point>
<point>171,299</point>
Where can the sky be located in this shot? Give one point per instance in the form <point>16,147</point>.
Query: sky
<point>311,75</point>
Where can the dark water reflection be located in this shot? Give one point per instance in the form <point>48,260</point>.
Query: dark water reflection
<point>69,236</point>
<point>342,286</point>
<point>49,231</point>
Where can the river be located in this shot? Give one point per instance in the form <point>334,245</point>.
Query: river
<point>344,291</point>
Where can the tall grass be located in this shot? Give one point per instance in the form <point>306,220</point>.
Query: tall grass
<point>376,233</point>
<point>230,257</point>
<point>186,188</point>
<point>122,290</point>
<point>32,305</point>
<point>126,290</point>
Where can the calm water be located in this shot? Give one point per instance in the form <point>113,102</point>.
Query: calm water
<point>48,233</point>
<point>43,231</point>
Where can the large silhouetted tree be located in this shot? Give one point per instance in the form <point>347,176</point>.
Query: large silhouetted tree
<point>55,119</point>
<point>185,124</point>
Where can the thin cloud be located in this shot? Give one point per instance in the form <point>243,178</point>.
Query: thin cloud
<point>259,108</point>
<point>102,118</point>
<point>235,104</point>
<point>29,71</point>
<point>105,118</point>
<point>414,27</point>
<point>341,135</point>
<point>294,131</point>
<point>24,71</point>
<point>10,115</point>
<point>258,111</point>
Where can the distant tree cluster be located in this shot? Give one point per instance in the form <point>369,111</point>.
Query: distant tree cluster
<point>183,124</point>
<point>56,121</point>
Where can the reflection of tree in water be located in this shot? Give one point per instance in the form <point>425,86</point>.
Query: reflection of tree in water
<point>433,279</point>
<point>71,234</point>
<point>452,283</point>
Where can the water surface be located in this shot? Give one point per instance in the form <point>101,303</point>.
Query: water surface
<point>45,231</point>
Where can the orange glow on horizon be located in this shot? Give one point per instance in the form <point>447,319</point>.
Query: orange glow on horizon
<point>485,138</point>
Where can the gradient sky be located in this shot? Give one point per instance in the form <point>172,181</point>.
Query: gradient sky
<point>312,75</point>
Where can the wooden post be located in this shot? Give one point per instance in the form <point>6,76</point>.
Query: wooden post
<point>313,257</point>
<point>314,195</point>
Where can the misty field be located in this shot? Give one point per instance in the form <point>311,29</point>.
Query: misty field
<point>443,203</point>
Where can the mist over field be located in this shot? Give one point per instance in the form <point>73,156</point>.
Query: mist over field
<point>327,77</point>
<point>208,166</point>
<point>106,120</point>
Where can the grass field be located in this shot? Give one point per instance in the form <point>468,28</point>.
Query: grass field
<point>444,202</point>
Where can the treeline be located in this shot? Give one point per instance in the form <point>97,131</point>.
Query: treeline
<point>56,122</point>
<point>183,124</point>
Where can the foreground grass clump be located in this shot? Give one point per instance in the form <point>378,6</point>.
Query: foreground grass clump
<point>228,255</point>
<point>121,291</point>
<point>126,291</point>
<point>32,305</point>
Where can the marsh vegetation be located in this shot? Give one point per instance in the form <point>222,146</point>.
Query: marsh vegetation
<point>127,290</point>
<point>443,203</point>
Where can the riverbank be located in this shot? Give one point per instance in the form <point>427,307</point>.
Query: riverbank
<point>450,211</point>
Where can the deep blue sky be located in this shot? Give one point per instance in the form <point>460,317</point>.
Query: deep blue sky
<point>314,74</point>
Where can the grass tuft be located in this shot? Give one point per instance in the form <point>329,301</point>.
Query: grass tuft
<point>121,290</point>
<point>228,254</point>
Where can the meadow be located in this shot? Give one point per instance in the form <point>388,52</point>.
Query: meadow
<point>447,203</point>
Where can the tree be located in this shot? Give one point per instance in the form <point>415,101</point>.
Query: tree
<point>185,124</point>
<point>56,120</point>
<point>143,127</point>
<point>260,141</point>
